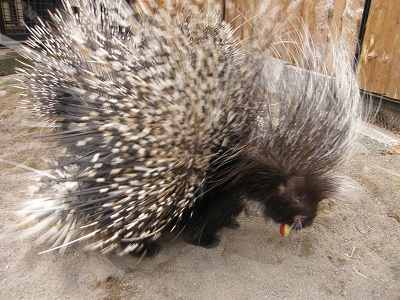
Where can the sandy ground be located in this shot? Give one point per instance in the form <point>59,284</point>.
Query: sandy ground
<point>7,61</point>
<point>352,252</point>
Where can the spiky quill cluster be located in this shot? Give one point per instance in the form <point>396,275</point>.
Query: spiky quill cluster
<point>142,104</point>
<point>151,106</point>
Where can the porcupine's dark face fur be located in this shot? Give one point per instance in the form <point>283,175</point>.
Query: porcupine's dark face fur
<point>286,199</point>
<point>295,200</point>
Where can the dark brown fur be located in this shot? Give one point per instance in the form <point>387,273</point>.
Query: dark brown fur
<point>286,198</point>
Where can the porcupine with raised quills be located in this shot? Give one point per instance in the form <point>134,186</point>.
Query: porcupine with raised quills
<point>168,127</point>
<point>143,105</point>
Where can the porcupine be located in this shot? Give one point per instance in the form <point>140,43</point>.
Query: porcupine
<point>169,126</point>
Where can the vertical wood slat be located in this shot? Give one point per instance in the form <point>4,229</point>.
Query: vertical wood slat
<point>325,19</point>
<point>380,58</point>
<point>206,4</point>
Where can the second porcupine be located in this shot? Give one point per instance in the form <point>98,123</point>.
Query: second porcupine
<point>168,124</point>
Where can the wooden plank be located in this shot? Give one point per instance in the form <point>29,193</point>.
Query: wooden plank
<point>176,5</point>
<point>325,19</point>
<point>205,4</point>
<point>380,57</point>
<point>235,14</point>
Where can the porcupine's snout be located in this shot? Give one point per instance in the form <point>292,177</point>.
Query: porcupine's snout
<point>298,213</point>
<point>295,202</point>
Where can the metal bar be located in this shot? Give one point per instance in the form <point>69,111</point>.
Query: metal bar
<point>361,33</point>
<point>2,25</point>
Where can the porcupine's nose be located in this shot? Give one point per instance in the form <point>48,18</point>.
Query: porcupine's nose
<point>297,224</point>
<point>300,221</point>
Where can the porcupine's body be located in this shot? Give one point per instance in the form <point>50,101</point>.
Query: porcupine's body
<point>166,126</point>
<point>143,105</point>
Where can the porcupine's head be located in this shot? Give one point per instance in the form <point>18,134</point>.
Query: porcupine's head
<point>294,200</point>
<point>306,127</point>
<point>290,199</point>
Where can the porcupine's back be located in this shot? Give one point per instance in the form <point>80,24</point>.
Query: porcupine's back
<point>313,111</point>
<point>306,128</point>
<point>142,105</point>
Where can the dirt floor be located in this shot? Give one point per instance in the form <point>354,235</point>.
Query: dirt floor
<point>352,252</point>
<point>8,62</point>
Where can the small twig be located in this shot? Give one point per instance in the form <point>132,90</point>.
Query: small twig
<point>359,273</point>
<point>352,253</point>
<point>363,231</point>
<point>24,167</point>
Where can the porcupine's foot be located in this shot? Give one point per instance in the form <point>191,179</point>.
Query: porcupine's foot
<point>206,241</point>
<point>232,223</point>
<point>209,239</point>
<point>151,249</point>
<point>201,235</point>
<point>213,212</point>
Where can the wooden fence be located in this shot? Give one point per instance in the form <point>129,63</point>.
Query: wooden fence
<point>323,17</point>
<point>379,68</point>
<point>380,57</point>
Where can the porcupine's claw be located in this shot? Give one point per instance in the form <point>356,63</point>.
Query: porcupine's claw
<point>232,224</point>
<point>210,243</point>
<point>205,241</point>
<point>153,249</point>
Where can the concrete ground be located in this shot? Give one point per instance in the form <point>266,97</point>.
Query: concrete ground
<point>7,61</point>
<point>352,252</point>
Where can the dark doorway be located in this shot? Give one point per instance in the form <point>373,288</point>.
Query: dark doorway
<point>15,14</point>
